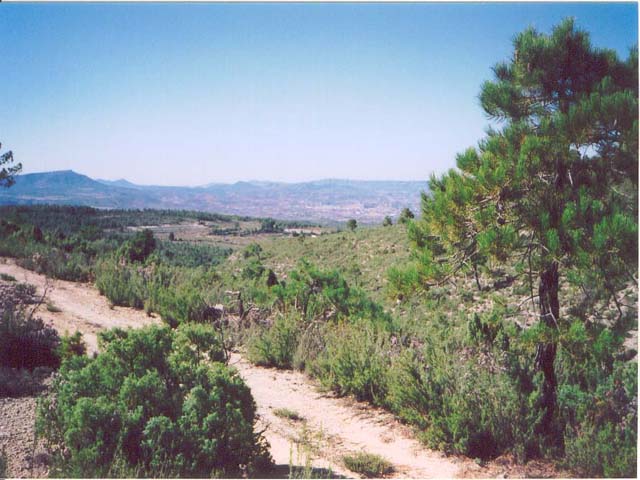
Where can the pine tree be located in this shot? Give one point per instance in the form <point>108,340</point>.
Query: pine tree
<point>555,189</point>
<point>8,171</point>
<point>405,215</point>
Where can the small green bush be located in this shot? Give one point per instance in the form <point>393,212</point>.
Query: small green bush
<point>275,346</point>
<point>460,406</point>
<point>71,345</point>
<point>368,464</point>
<point>26,342</point>
<point>138,248</point>
<point>355,361</point>
<point>151,404</point>
<point>123,285</point>
<point>601,437</point>
<point>253,250</point>
<point>287,413</point>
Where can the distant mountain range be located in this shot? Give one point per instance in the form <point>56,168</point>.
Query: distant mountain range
<point>322,200</point>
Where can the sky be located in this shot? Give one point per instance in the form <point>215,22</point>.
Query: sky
<point>189,94</point>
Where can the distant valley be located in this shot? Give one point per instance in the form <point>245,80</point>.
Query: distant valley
<point>320,201</point>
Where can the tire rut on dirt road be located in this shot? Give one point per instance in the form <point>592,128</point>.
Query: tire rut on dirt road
<point>335,426</point>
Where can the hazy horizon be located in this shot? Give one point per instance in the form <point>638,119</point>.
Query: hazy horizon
<point>248,180</point>
<point>189,94</point>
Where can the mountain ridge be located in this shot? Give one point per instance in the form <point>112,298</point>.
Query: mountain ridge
<point>324,200</point>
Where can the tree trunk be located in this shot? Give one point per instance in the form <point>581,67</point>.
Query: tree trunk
<point>546,352</point>
<point>475,274</point>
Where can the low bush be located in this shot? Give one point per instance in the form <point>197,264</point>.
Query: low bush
<point>123,285</point>
<point>275,346</point>
<point>288,414</point>
<point>182,295</point>
<point>355,361</point>
<point>184,254</point>
<point>52,308</point>
<point>315,293</point>
<point>138,248</point>
<point>150,405</point>
<point>56,263</point>
<point>71,345</point>
<point>25,341</point>
<point>600,434</point>
<point>368,464</point>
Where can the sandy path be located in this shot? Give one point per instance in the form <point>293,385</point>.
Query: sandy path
<point>336,426</point>
<point>82,307</point>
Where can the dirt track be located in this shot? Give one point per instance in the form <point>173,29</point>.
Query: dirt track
<point>82,307</point>
<point>335,426</point>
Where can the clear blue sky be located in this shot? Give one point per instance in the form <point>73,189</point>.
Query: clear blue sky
<point>187,94</point>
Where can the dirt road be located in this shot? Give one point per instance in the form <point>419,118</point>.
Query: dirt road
<point>334,426</point>
<point>81,305</point>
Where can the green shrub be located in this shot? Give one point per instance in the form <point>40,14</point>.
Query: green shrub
<point>7,278</point>
<point>287,413</point>
<point>601,437</point>
<point>196,342</point>
<point>602,451</point>
<point>26,342</point>
<point>311,344</point>
<point>149,405</point>
<point>123,285</point>
<point>253,269</point>
<point>461,406</point>
<point>71,345</point>
<point>402,281</point>
<point>185,254</point>
<point>138,248</point>
<point>355,361</point>
<point>412,395</point>
<point>274,346</point>
<point>368,464</point>
<point>52,308</point>
<point>253,250</point>
<point>406,215</point>
<point>316,293</point>
<point>181,295</point>
<point>56,263</point>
